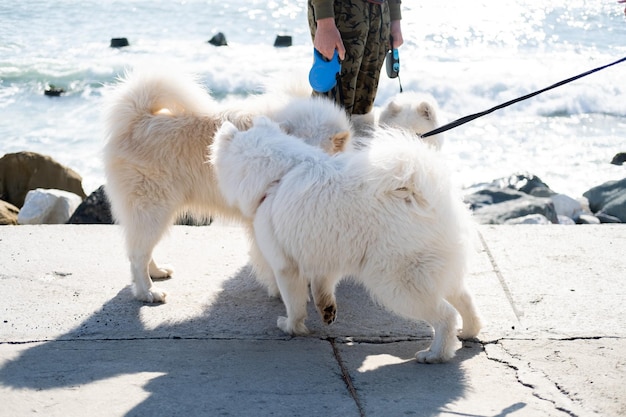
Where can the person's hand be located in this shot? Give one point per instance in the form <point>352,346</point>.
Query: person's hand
<point>396,33</point>
<point>328,38</point>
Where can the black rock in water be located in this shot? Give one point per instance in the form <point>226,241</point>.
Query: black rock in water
<point>219,39</point>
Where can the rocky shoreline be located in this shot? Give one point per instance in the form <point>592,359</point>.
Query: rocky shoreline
<point>35,189</point>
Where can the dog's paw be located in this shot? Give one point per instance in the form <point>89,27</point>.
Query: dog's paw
<point>294,329</point>
<point>429,356</point>
<point>470,329</point>
<point>465,334</point>
<point>329,314</point>
<point>153,295</point>
<point>161,272</point>
<point>273,291</point>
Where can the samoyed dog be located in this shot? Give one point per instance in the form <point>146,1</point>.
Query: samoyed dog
<point>411,111</point>
<point>386,215</point>
<point>159,124</point>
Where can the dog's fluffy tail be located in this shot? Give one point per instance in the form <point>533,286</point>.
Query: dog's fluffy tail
<point>147,92</point>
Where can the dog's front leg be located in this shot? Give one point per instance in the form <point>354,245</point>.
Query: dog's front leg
<point>443,319</point>
<point>262,270</point>
<point>463,302</point>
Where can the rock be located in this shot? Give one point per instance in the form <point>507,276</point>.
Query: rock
<point>219,39</point>
<point>609,199</point>
<point>491,195</point>
<point>519,207</point>
<point>565,220</point>
<point>529,219</point>
<point>619,158</point>
<point>524,182</point>
<point>606,218</point>
<point>188,219</point>
<point>52,91</point>
<point>587,219</point>
<point>24,171</point>
<point>282,41</point>
<point>8,213</point>
<point>95,209</point>
<point>119,42</point>
<point>566,206</point>
<point>541,191</point>
<point>48,207</point>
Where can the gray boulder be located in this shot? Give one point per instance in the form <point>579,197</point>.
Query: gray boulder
<point>491,195</point>
<point>619,158</point>
<point>608,199</point>
<point>513,197</point>
<point>519,207</point>
<point>529,219</point>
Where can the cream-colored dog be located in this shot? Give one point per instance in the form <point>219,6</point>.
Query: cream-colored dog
<point>159,125</point>
<point>414,112</point>
<point>387,215</point>
<point>410,110</point>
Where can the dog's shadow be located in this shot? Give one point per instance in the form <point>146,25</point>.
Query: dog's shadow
<point>214,363</point>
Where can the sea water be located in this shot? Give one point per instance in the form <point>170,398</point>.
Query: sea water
<point>469,55</point>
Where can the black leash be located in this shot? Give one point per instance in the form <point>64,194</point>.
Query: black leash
<point>471,117</point>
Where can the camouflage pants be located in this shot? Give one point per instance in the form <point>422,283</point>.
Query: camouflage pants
<point>365,29</point>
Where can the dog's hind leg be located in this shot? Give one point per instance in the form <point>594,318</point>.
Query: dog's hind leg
<point>294,292</point>
<point>142,235</point>
<point>416,302</point>
<point>462,300</point>
<point>323,289</point>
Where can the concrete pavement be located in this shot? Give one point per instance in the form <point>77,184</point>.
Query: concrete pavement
<point>73,341</point>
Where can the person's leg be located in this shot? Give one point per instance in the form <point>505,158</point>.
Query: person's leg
<point>352,20</point>
<point>373,58</point>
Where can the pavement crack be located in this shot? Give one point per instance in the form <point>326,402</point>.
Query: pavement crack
<point>541,385</point>
<point>345,375</point>
<point>507,291</point>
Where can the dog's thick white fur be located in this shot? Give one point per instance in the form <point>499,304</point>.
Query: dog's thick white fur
<point>386,215</point>
<point>159,125</point>
<point>411,111</point>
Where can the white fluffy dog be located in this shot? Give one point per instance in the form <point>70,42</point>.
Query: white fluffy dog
<point>411,111</point>
<point>159,125</point>
<point>387,215</point>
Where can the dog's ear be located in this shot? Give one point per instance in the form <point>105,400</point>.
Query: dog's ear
<point>262,121</point>
<point>286,126</point>
<point>426,111</point>
<point>340,141</point>
<point>394,108</point>
<point>415,199</point>
<point>227,131</point>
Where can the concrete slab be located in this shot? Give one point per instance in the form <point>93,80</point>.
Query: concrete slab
<point>583,376</point>
<point>563,282</point>
<point>172,378</point>
<point>389,382</point>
